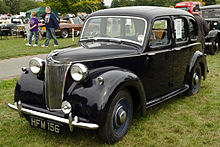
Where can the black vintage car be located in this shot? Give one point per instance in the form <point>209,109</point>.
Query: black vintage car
<point>212,15</point>
<point>129,59</point>
<point>9,28</point>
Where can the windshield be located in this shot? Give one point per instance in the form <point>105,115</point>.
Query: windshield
<point>121,28</point>
<point>211,13</point>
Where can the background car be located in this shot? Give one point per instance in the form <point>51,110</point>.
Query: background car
<point>10,26</point>
<point>188,6</point>
<point>212,15</point>
<point>128,59</point>
<point>67,25</point>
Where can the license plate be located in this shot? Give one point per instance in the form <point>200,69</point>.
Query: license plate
<point>43,28</point>
<point>45,124</point>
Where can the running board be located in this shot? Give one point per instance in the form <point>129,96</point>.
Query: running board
<point>166,97</point>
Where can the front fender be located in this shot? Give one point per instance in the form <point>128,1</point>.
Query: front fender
<point>91,99</point>
<point>30,89</point>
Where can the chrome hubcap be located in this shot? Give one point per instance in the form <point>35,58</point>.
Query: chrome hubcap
<point>120,116</point>
<point>196,78</point>
<point>65,34</point>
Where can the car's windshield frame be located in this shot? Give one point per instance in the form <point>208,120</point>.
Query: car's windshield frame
<point>119,39</point>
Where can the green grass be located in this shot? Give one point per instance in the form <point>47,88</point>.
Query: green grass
<point>181,121</point>
<point>14,47</point>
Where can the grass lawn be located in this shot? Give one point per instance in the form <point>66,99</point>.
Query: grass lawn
<point>14,47</point>
<point>181,121</point>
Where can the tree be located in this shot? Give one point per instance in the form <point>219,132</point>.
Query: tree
<point>4,9</point>
<point>142,3</point>
<point>13,6</point>
<point>210,2</point>
<point>115,3</point>
<point>122,3</point>
<point>26,5</point>
<point>159,2</point>
<point>73,6</point>
<point>16,6</point>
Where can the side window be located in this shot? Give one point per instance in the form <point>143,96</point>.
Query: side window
<point>180,29</point>
<point>159,35</point>
<point>192,30</point>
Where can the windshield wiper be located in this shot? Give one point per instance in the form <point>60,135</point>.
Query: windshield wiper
<point>87,40</point>
<point>93,39</point>
<point>119,41</point>
<point>131,44</point>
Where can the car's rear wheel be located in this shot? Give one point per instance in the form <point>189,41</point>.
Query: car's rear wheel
<point>214,47</point>
<point>64,33</point>
<point>118,118</point>
<point>194,80</point>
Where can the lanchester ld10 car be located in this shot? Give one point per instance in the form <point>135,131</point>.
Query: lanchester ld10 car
<point>129,59</point>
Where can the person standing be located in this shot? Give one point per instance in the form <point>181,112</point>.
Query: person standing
<point>203,29</point>
<point>51,25</point>
<point>33,29</point>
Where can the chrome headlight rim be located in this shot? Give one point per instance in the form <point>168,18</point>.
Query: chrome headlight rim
<point>36,65</point>
<point>82,73</point>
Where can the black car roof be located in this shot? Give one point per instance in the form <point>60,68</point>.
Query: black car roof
<point>148,12</point>
<point>210,7</point>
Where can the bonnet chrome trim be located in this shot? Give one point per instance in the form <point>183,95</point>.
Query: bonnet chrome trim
<point>48,83</point>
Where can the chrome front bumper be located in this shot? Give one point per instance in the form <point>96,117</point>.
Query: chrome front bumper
<point>70,121</point>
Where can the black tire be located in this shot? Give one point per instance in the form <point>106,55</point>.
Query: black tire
<point>194,80</point>
<point>64,33</point>
<point>214,47</point>
<point>76,33</point>
<point>43,34</point>
<point>118,118</point>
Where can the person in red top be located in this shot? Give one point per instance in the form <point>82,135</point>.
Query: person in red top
<point>33,29</point>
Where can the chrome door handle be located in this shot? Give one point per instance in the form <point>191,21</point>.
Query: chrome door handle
<point>151,54</point>
<point>178,49</point>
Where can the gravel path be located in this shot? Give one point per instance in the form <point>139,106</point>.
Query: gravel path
<point>10,68</point>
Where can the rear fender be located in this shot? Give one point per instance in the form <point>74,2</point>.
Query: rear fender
<point>200,58</point>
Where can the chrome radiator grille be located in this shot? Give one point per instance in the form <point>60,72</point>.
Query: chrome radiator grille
<point>55,77</point>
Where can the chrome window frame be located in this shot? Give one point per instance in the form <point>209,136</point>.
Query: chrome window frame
<point>129,17</point>
<point>186,27</point>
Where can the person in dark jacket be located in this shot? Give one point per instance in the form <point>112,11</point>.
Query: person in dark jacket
<point>202,26</point>
<point>51,25</point>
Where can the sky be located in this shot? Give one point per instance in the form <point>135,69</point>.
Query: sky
<point>108,2</point>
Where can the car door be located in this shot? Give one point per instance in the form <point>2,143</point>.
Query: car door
<point>156,62</point>
<point>182,50</point>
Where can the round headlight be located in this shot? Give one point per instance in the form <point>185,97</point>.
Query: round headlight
<point>36,65</point>
<point>79,72</point>
<point>66,107</point>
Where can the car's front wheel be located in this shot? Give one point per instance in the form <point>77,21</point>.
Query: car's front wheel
<point>214,47</point>
<point>194,80</point>
<point>118,118</point>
